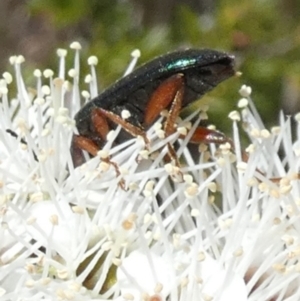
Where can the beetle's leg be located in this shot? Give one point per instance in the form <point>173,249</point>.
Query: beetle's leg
<point>205,135</point>
<point>170,122</point>
<point>80,143</point>
<point>101,126</point>
<point>127,126</point>
<point>162,97</point>
<point>169,92</point>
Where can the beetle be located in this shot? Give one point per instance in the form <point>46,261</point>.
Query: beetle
<point>171,81</point>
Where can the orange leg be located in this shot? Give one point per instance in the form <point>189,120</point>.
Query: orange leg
<point>80,143</point>
<point>100,123</point>
<point>130,128</point>
<point>169,126</point>
<point>162,97</point>
<point>172,92</point>
<point>205,135</point>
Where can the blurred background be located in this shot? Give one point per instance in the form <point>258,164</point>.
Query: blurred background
<point>263,34</point>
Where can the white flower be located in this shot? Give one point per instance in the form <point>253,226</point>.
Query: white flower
<point>223,227</point>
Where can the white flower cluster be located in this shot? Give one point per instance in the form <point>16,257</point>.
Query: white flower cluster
<point>222,227</point>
